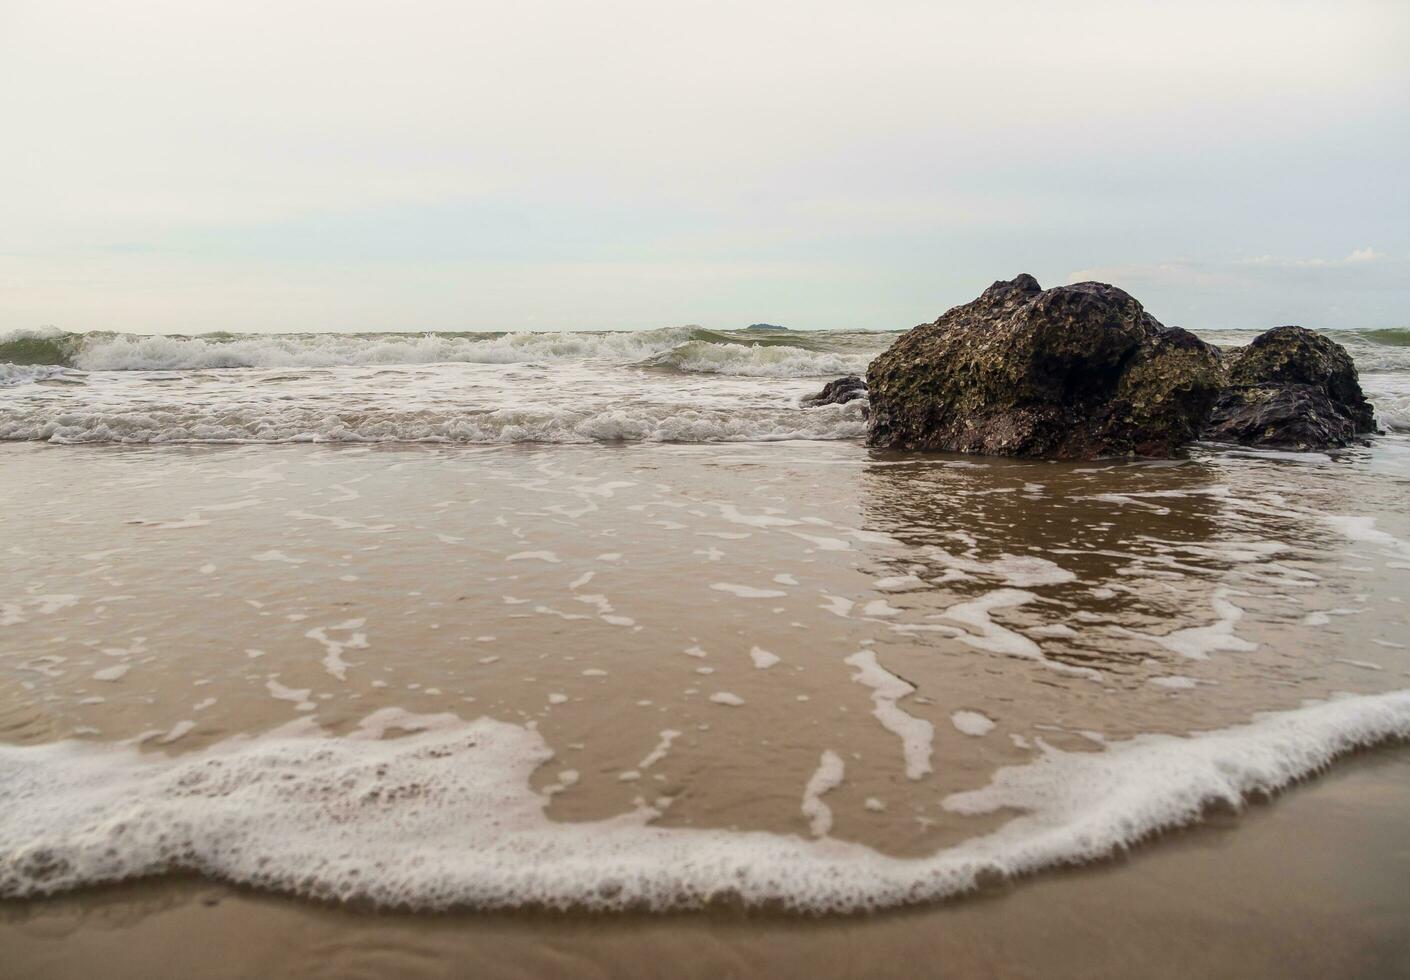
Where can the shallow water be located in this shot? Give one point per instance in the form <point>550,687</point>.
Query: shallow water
<point>791,673</point>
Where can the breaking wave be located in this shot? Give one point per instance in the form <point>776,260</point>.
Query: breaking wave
<point>1390,396</point>
<point>681,348</point>
<point>774,361</point>
<point>688,349</point>
<point>537,424</point>
<point>446,816</point>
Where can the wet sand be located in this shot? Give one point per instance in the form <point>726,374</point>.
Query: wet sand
<point>1313,885</point>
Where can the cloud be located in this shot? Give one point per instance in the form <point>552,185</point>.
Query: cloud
<point>291,160</point>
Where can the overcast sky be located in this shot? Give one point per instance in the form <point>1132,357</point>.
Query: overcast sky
<point>193,165</point>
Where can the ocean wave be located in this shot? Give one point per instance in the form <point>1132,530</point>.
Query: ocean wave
<point>133,353</point>
<point>774,361</point>
<point>691,349</point>
<point>1391,336</point>
<point>38,347</point>
<point>538,424</point>
<point>444,816</point>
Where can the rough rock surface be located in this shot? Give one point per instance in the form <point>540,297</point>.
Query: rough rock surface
<point>839,392</point>
<point>1073,372</point>
<point>1280,415</point>
<point>1291,387</point>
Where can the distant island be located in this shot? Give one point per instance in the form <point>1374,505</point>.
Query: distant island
<point>765,326</point>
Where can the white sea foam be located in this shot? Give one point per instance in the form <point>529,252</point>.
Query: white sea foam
<point>292,422</point>
<point>1175,682</point>
<point>825,779</point>
<point>1364,529</point>
<point>1392,408</point>
<point>299,697</point>
<point>1198,642</point>
<point>668,736</point>
<point>1019,571</point>
<point>762,658</point>
<point>446,816</point>
<point>333,661</point>
<point>972,723</point>
<point>180,730</point>
<point>747,591</point>
<point>916,734</point>
<point>546,556</point>
<point>993,637</point>
<point>18,374</point>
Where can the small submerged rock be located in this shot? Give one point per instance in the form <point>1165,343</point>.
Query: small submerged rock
<point>838,392</point>
<point>1280,416</point>
<point>1073,372</point>
<point>1294,388</point>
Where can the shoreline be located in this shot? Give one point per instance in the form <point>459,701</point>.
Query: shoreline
<point>1241,894</point>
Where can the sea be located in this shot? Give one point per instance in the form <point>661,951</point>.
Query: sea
<point>613,622</point>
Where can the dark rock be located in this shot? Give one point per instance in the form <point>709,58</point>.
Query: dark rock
<point>838,392</point>
<point>1073,372</point>
<point>1281,415</point>
<point>766,327</point>
<point>1293,357</point>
